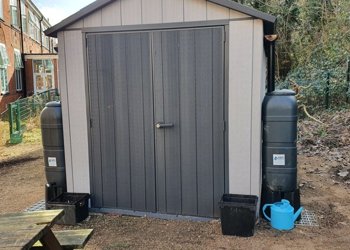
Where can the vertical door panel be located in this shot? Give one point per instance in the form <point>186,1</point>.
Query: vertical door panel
<point>135,105</point>
<point>204,119</point>
<point>150,180</point>
<point>96,172</point>
<point>106,109</point>
<point>187,79</point>
<point>121,123</point>
<point>170,53</point>
<point>218,118</point>
<point>158,89</point>
<point>190,176</point>
<point>124,94</point>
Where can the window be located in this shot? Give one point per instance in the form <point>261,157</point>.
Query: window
<point>18,70</point>
<point>4,62</point>
<point>45,39</point>
<point>24,16</point>
<point>1,10</point>
<point>14,12</point>
<point>43,73</point>
<point>34,27</point>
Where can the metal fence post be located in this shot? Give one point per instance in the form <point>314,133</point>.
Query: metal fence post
<point>33,109</point>
<point>15,133</point>
<point>10,117</point>
<point>18,118</point>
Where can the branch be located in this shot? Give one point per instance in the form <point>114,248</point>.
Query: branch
<point>310,116</point>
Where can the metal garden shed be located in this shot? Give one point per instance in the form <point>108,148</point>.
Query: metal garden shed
<point>161,103</point>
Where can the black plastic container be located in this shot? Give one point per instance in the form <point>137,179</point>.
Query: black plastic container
<point>75,206</point>
<point>238,214</point>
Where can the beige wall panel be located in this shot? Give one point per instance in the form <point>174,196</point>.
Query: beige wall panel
<point>217,12</point>
<point>195,10</point>
<point>173,11</point>
<point>77,110</point>
<point>235,14</point>
<point>151,11</point>
<point>65,110</point>
<point>240,105</point>
<point>93,20</point>
<point>258,93</point>
<point>111,14</point>
<point>77,25</point>
<point>131,12</point>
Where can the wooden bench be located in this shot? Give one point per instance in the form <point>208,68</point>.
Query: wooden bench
<point>70,239</point>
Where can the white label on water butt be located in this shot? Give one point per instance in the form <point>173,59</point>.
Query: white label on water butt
<point>279,160</point>
<point>52,161</point>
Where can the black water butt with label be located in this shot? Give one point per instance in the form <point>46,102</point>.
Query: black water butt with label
<point>279,157</point>
<point>52,140</point>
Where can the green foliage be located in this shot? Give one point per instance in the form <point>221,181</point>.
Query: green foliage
<point>314,40</point>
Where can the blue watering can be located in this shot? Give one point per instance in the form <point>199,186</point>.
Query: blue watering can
<point>282,215</point>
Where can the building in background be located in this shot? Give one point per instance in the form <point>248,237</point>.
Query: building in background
<point>28,62</point>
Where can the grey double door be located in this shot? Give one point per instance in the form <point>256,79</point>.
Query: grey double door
<point>157,120</point>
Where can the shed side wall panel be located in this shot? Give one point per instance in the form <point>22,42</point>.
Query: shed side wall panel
<point>173,11</point>
<point>111,14</point>
<point>235,14</point>
<point>195,10</point>
<point>240,105</point>
<point>77,25</point>
<point>215,11</point>
<point>134,12</point>
<point>131,12</point>
<point>65,110</point>
<point>76,106</point>
<point>152,11</point>
<point>93,19</point>
<point>258,93</point>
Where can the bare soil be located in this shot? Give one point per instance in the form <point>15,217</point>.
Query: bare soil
<point>22,177</point>
<point>324,164</point>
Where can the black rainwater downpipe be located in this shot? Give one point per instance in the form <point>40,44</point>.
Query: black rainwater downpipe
<point>24,79</point>
<point>271,41</point>
<point>41,34</point>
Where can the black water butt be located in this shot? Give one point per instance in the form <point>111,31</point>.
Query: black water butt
<point>279,157</point>
<point>53,145</point>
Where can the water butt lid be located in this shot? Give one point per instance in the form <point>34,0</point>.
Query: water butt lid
<point>282,92</point>
<point>53,104</point>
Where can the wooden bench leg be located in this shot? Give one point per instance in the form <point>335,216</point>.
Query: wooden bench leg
<point>50,242</point>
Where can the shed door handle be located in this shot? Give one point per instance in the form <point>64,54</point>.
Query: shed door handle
<point>160,125</point>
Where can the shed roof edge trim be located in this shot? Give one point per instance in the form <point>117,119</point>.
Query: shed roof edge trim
<point>245,10</point>
<point>52,31</point>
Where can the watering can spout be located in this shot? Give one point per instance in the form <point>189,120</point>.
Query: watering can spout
<point>296,215</point>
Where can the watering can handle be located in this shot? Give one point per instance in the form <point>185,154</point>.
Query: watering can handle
<point>264,208</point>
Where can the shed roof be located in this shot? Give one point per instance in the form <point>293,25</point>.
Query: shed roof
<point>268,19</point>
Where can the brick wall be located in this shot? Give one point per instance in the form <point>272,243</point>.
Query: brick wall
<point>11,37</point>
